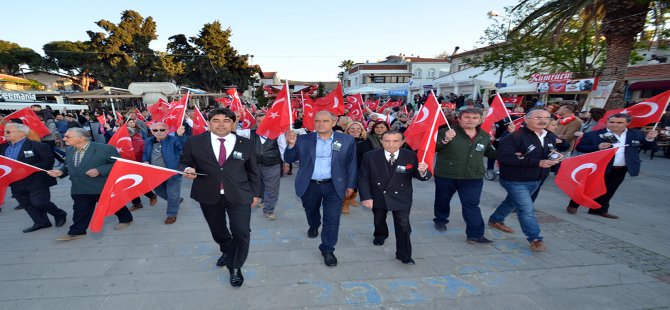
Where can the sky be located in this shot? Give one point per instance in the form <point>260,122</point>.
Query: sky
<point>302,40</point>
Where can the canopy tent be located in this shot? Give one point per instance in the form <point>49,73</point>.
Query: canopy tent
<point>522,88</point>
<point>367,90</point>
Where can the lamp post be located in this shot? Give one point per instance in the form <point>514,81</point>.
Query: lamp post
<point>502,61</point>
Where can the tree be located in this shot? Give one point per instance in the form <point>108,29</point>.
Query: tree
<point>13,56</point>
<point>260,97</point>
<point>74,57</point>
<point>346,65</point>
<point>321,91</point>
<point>619,21</point>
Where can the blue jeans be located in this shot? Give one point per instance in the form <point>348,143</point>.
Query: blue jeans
<point>469,191</point>
<point>315,195</point>
<point>519,197</point>
<point>170,190</point>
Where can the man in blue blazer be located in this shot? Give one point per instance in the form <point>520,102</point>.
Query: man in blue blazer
<point>626,159</point>
<point>327,174</point>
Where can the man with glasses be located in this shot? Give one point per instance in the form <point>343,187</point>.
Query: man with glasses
<point>525,157</point>
<point>32,192</point>
<point>88,164</point>
<point>163,150</point>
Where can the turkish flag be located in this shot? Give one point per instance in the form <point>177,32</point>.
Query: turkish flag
<point>518,123</point>
<point>235,103</point>
<point>121,141</point>
<point>643,113</point>
<point>101,119</point>
<point>247,119</point>
<point>373,104</point>
<point>333,102</point>
<point>139,115</point>
<point>159,110</point>
<point>2,138</point>
<point>126,180</point>
<point>278,119</point>
<point>119,117</point>
<point>583,177</point>
<point>354,106</point>
<point>389,105</point>
<point>12,171</point>
<point>496,112</point>
<point>420,126</point>
<point>199,122</point>
<point>435,118</point>
<point>30,119</point>
<point>224,101</point>
<point>175,116</point>
<point>308,113</point>
<point>404,109</point>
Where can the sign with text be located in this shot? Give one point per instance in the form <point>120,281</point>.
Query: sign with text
<point>542,78</point>
<point>568,86</point>
<point>18,96</point>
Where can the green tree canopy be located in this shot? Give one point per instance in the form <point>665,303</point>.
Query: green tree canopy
<point>12,56</point>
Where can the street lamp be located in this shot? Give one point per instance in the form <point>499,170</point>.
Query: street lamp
<point>492,14</point>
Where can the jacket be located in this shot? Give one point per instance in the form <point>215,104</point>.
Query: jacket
<point>462,158</point>
<point>524,167</point>
<point>634,139</point>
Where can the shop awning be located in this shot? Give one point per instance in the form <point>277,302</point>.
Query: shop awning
<point>55,106</point>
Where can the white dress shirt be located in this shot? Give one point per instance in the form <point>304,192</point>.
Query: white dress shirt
<point>229,143</point>
<point>541,136</point>
<point>388,155</point>
<point>281,140</point>
<point>620,155</point>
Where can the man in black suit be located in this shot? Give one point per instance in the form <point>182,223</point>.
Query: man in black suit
<point>88,164</point>
<point>385,184</point>
<point>227,183</point>
<point>33,192</point>
<point>626,159</point>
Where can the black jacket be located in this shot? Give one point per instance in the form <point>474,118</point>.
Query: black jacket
<point>634,139</point>
<point>36,154</point>
<point>520,153</point>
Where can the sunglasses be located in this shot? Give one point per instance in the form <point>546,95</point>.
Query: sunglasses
<point>157,130</point>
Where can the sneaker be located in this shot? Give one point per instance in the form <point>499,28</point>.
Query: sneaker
<point>501,226</point>
<point>270,216</point>
<point>537,245</point>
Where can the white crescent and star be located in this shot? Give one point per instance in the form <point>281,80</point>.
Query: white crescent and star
<point>6,170</point>
<point>424,114</point>
<point>653,107</point>
<point>137,179</point>
<point>581,167</point>
<point>124,138</point>
<point>489,112</point>
<point>246,123</point>
<point>337,102</point>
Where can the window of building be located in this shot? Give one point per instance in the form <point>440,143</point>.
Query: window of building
<point>431,73</point>
<point>378,79</point>
<point>417,73</point>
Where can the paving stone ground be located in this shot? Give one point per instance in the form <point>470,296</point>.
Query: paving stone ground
<point>592,262</point>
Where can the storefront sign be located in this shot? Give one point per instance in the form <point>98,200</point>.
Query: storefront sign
<point>398,92</point>
<point>568,86</point>
<point>18,96</point>
<point>541,78</point>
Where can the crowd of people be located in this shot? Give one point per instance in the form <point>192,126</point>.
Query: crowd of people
<point>233,169</point>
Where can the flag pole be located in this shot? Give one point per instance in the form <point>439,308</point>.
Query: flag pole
<point>290,108</point>
<point>503,103</point>
<point>149,165</point>
<point>22,163</point>
<point>183,115</point>
<point>439,106</point>
<point>431,140</point>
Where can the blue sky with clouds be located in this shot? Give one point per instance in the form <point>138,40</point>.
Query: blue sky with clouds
<point>302,40</point>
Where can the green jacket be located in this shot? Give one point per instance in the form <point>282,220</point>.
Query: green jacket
<point>98,156</point>
<point>462,158</point>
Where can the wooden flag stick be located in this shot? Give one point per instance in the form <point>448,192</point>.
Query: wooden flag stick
<point>22,163</point>
<point>151,166</point>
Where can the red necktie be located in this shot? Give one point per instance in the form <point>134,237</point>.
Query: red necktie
<point>222,155</point>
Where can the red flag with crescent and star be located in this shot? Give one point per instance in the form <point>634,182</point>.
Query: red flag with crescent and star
<point>422,122</point>
<point>30,119</point>
<point>236,102</point>
<point>12,171</point>
<point>582,177</point>
<point>497,111</point>
<point>175,116</point>
<point>121,141</point>
<point>428,138</point>
<point>333,102</point>
<point>159,110</point>
<point>354,103</point>
<point>373,104</point>
<point>199,122</point>
<point>308,112</point>
<point>139,115</point>
<point>247,119</point>
<point>389,105</point>
<point>2,138</point>
<point>642,114</point>
<point>277,120</point>
<point>127,180</point>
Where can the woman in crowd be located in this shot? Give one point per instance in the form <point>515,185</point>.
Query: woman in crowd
<point>377,129</point>
<point>356,130</point>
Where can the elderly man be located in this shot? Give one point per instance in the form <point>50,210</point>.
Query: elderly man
<point>33,192</point>
<point>626,159</point>
<point>88,164</point>
<point>163,150</point>
<point>269,156</point>
<point>568,125</point>
<point>525,157</point>
<point>459,168</point>
<point>327,174</point>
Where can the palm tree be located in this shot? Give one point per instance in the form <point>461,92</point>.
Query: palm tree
<point>619,21</point>
<point>346,64</point>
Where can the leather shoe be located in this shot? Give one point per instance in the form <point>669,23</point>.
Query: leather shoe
<point>408,261</point>
<point>19,207</point>
<point>607,215</point>
<point>223,260</point>
<point>378,241</point>
<point>120,226</point>
<point>313,232</point>
<point>441,227</point>
<point>329,259</point>
<point>170,220</point>
<point>481,240</point>
<point>70,237</point>
<point>61,221</point>
<point>153,201</point>
<point>502,227</point>
<point>35,228</point>
<point>571,210</point>
<point>236,278</point>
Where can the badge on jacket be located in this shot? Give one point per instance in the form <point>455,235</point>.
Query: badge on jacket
<point>479,147</point>
<point>337,146</point>
<point>403,169</point>
<point>634,143</point>
<point>28,153</point>
<point>237,155</point>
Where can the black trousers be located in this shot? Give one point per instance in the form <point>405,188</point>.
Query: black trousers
<point>37,202</point>
<point>612,181</point>
<point>149,195</point>
<point>234,242</point>
<point>403,244</point>
<point>83,208</point>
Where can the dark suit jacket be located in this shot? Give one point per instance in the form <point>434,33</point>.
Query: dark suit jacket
<point>391,192</point>
<point>634,139</point>
<point>36,154</point>
<point>240,177</point>
<point>343,162</point>
<point>98,156</point>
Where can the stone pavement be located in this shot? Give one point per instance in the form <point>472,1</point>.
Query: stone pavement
<point>592,262</point>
